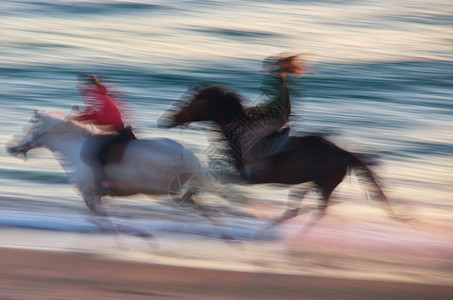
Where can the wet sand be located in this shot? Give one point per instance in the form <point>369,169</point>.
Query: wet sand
<point>37,274</point>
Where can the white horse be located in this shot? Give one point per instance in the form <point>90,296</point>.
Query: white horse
<point>156,166</point>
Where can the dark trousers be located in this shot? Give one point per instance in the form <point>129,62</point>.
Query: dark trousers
<point>95,150</point>
<point>123,136</point>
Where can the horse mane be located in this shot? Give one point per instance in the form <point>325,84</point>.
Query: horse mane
<point>221,93</point>
<point>225,103</point>
<point>52,114</point>
<point>56,118</point>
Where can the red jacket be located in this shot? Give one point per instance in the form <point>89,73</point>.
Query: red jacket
<point>101,109</point>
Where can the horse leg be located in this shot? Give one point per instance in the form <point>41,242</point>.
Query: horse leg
<point>188,199</point>
<point>95,204</point>
<point>294,203</point>
<point>99,213</point>
<point>92,196</point>
<point>319,214</point>
<point>102,217</point>
<point>326,185</point>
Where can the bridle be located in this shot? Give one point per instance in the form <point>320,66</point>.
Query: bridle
<point>28,145</point>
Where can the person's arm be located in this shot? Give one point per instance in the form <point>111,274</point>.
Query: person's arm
<point>93,98</point>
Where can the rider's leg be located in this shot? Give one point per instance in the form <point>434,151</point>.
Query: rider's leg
<point>123,136</point>
<point>89,155</point>
<point>256,132</point>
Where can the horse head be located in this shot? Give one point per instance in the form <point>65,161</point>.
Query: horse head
<point>40,124</point>
<point>214,103</point>
<point>20,146</point>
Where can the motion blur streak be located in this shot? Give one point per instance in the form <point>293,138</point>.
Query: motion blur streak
<point>381,85</point>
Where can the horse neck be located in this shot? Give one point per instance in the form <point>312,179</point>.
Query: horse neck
<point>232,135</point>
<point>231,123</point>
<point>67,139</point>
<point>225,111</point>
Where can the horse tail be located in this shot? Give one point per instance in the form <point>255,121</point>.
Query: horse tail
<point>369,180</point>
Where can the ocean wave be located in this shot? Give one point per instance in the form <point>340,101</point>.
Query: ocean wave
<point>81,8</point>
<point>240,229</point>
<point>233,33</point>
<point>38,177</point>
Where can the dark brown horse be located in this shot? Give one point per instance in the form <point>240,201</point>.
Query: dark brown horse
<point>282,158</point>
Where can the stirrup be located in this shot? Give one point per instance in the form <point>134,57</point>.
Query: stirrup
<point>106,187</point>
<point>105,184</point>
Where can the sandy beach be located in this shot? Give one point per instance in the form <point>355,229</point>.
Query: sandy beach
<point>37,274</point>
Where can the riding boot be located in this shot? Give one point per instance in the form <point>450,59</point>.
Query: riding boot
<point>103,158</point>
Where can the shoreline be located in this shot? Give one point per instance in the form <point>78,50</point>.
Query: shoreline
<point>44,274</point>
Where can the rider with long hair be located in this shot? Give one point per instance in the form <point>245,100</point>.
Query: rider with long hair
<point>101,111</point>
<point>275,110</point>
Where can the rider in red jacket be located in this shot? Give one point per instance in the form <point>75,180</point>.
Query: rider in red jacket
<point>102,111</point>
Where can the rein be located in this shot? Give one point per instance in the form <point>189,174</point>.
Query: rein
<point>43,134</point>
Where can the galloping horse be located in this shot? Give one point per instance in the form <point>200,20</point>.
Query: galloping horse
<point>296,160</point>
<point>153,166</point>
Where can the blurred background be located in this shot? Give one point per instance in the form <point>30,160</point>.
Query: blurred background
<point>381,82</point>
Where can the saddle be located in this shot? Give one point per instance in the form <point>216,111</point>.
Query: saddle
<point>272,144</point>
<point>113,149</point>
